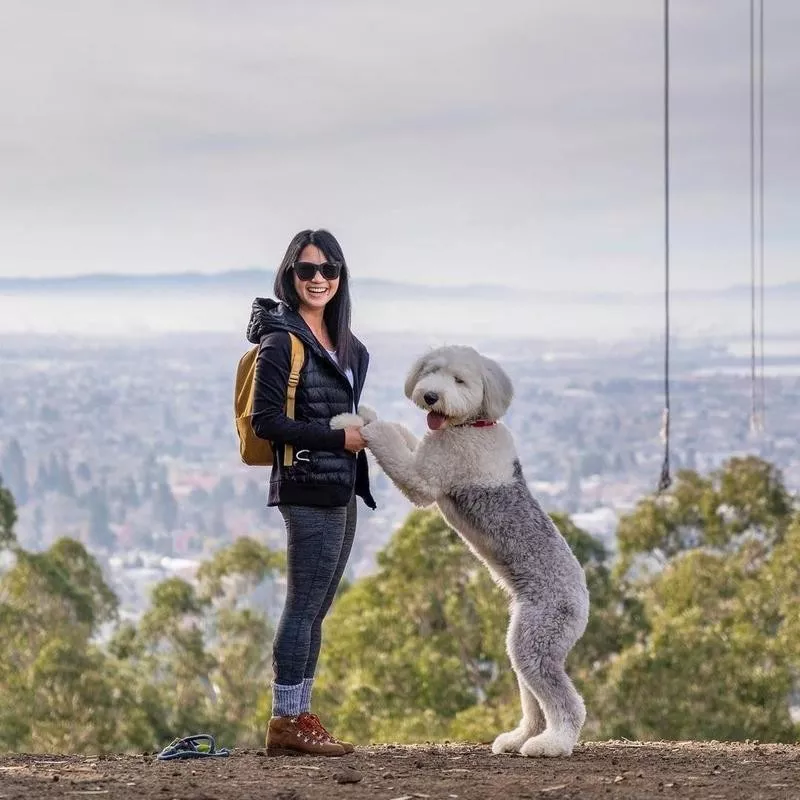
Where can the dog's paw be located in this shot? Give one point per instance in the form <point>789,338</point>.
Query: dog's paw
<point>367,414</point>
<point>549,744</point>
<point>511,741</point>
<point>380,430</point>
<point>342,421</point>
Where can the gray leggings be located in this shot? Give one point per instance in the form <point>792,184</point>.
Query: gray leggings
<point>318,544</point>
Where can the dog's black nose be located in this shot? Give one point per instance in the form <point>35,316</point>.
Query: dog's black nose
<point>430,398</point>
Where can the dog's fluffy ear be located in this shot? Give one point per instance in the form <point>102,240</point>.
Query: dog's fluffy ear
<point>414,374</point>
<point>498,390</point>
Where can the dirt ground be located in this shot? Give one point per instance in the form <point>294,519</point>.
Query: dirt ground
<point>596,770</point>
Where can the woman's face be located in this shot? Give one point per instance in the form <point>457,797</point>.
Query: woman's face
<point>316,293</point>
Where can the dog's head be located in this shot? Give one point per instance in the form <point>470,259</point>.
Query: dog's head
<point>457,385</point>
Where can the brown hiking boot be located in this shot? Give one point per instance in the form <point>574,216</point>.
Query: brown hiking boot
<point>299,736</point>
<point>348,748</point>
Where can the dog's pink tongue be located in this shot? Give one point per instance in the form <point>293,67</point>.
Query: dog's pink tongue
<point>435,421</point>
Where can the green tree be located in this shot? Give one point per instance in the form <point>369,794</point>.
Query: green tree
<point>693,633</point>
<point>746,498</point>
<point>8,519</point>
<point>707,561</point>
<point>200,656</point>
<point>236,582</point>
<point>405,658</point>
<point>59,688</point>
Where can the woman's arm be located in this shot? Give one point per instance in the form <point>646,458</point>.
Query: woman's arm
<point>269,403</point>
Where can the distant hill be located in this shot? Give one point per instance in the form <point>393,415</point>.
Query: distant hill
<point>255,280</point>
<point>110,282</point>
<point>258,281</point>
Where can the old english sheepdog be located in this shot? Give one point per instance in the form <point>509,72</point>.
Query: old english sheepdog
<point>467,464</point>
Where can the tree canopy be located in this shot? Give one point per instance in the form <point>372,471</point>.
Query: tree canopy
<point>694,632</point>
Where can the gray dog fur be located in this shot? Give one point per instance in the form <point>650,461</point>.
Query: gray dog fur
<point>474,476</point>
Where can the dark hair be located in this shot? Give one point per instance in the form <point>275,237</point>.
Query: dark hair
<point>337,311</point>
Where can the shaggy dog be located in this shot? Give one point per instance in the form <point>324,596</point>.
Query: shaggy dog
<point>467,464</point>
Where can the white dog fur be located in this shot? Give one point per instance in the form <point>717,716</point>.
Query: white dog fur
<point>474,476</point>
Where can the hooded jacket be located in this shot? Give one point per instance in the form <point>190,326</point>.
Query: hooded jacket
<point>323,473</point>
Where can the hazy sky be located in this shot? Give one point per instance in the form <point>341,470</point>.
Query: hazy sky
<point>441,140</point>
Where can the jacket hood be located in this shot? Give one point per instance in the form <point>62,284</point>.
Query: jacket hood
<point>268,316</point>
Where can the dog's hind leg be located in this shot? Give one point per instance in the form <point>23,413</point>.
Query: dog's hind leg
<point>532,723</point>
<point>538,643</point>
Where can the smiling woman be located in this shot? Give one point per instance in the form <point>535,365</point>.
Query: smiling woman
<point>308,281</point>
<point>316,488</point>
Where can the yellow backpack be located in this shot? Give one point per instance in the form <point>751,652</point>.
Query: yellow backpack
<point>255,451</point>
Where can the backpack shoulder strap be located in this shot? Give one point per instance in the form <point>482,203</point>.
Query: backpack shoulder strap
<point>298,354</point>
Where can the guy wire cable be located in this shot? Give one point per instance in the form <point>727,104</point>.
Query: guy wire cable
<point>665,481</point>
<point>763,412</point>
<point>753,383</point>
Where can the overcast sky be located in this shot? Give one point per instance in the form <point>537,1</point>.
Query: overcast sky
<point>441,140</point>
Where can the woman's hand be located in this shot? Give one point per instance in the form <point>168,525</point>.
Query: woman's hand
<point>353,440</point>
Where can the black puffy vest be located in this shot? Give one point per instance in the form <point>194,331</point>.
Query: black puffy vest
<point>321,476</point>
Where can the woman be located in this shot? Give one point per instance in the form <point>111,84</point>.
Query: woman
<point>316,494</point>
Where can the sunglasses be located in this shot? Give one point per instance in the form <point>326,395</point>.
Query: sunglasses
<point>306,270</point>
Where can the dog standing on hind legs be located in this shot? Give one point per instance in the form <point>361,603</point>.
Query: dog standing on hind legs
<point>467,464</point>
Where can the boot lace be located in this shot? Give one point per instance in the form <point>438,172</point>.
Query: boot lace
<point>317,723</point>
<point>310,723</point>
